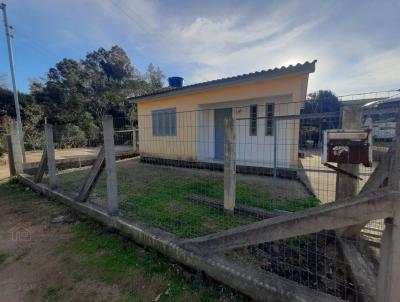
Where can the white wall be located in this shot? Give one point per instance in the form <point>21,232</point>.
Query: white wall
<point>206,135</point>
<point>254,150</point>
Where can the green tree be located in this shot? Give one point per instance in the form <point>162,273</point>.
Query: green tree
<point>155,76</point>
<point>321,101</point>
<point>81,92</point>
<point>33,117</point>
<point>3,82</point>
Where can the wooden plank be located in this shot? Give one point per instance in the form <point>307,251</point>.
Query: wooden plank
<point>42,167</point>
<point>329,216</point>
<point>91,177</point>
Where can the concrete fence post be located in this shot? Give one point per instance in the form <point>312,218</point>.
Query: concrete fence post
<point>111,167</point>
<point>229,165</point>
<point>134,139</point>
<point>347,186</point>
<point>11,163</point>
<point>21,138</point>
<point>51,156</point>
<point>275,132</point>
<point>16,148</point>
<point>388,288</point>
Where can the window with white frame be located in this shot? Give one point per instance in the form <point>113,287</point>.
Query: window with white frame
<point>164,122</point>
<point>253,120</point>
<point>269,122</point>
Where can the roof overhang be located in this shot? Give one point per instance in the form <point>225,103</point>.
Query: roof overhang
<point>306,68</point>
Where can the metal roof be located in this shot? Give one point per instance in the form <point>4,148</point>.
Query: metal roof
<point>306,67</point>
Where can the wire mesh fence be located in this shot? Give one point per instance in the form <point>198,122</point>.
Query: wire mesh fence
<point>178,183</point>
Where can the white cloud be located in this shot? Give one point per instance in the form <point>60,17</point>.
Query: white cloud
<point>376,71</point>
<point>212,45</point>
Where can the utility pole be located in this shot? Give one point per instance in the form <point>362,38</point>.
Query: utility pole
<point>11,60</point>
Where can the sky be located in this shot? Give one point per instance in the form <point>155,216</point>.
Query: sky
<point>356,43</point>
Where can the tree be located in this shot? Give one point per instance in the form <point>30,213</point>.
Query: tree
<point>155,76</point>
<point>3,82</point>
<point>33,117</point>
<point>36,85</point>
<point>319,102</point>
<point>112,79</point>
<point>81,92</point>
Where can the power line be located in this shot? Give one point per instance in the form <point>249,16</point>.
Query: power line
<point>132,18</point>
<point>25,39</point>
<point>117,5</point>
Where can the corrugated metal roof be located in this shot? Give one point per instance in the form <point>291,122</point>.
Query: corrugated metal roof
<point>307,67</point>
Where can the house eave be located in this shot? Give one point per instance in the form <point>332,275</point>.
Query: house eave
<point>305,68</point>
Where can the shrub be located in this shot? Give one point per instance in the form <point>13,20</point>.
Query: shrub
<point>72,137</point>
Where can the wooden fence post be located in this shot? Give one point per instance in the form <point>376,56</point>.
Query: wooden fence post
<point>51,156</point>
<point>347,186</point>
<point>16,148</point>
<point>388,288</point>
<point>111,167</point>
<point>229,165</point>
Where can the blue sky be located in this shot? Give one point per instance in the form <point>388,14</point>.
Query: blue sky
<point>356,43</point>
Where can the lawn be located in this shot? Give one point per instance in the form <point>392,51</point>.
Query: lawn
<point>157,196</point>
<point>142,275</point>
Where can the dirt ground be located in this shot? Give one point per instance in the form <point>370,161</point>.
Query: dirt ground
<point>29,263</point>
<point>35,156</point>
<point>48,254</point>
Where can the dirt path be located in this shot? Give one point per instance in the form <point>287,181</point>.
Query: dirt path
<point>35,156</point>
<point>27,243</point>
<point>47,254</point>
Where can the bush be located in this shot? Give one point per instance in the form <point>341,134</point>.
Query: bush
<point>34,140</point>
<point>72,137</point>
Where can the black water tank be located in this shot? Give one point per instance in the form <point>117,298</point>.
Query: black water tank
<point>176,82</point>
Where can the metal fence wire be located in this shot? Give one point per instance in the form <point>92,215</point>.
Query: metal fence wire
<point>177,184</point>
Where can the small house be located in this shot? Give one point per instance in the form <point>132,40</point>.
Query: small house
<point>186,123</point>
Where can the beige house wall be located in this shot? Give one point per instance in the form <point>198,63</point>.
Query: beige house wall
<point>287,92</point>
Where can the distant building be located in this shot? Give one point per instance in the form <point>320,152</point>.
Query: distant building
<point>382,117</point>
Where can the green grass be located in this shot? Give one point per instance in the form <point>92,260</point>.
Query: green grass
<point>12,190</point>
<point>22,254</point>
<point>109,259</point>
<point>95,258</point>
<point>163,203</point>
<point>156,196</point>
<point>3,258</point>
<point>53,294</point>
